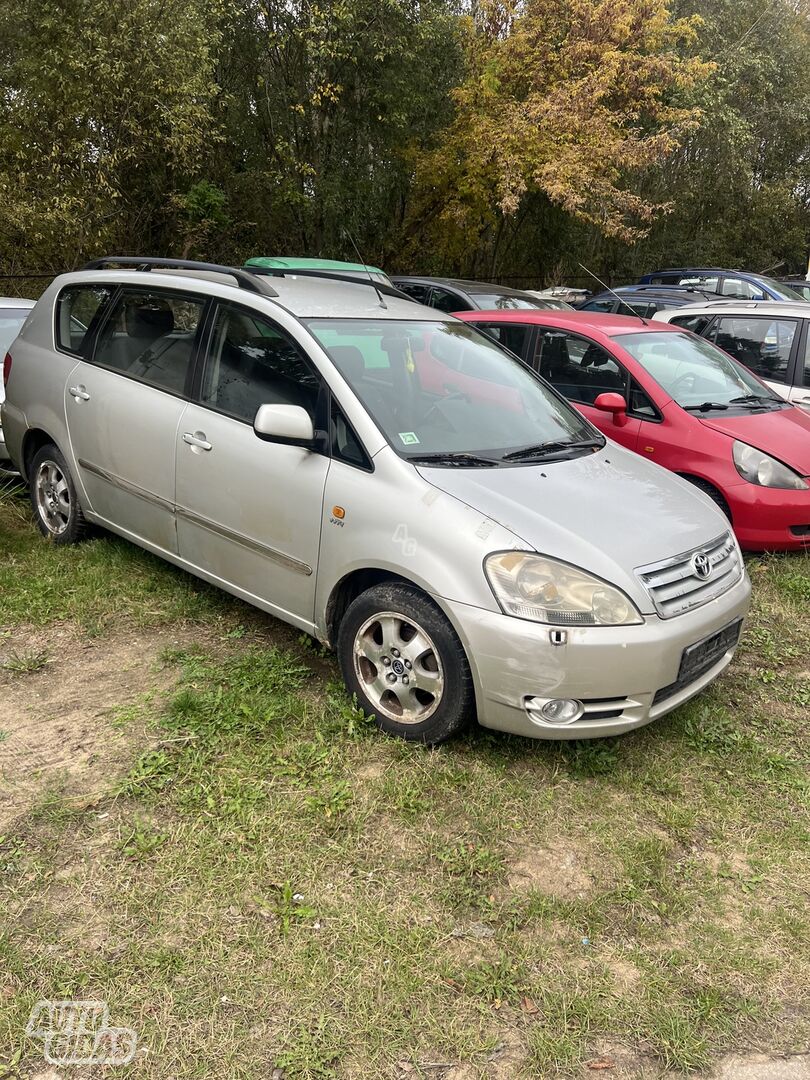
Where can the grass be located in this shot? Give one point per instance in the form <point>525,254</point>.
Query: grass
<point>270,884</point>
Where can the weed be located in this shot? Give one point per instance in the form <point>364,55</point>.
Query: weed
<point>27,663</point>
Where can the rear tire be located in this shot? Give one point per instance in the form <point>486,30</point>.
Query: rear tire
<point>57,511</point>
<point>402,659</point>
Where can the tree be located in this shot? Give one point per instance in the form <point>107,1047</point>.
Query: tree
<point>321,100</point>
<point>562,97</point>
<point>104,111</point>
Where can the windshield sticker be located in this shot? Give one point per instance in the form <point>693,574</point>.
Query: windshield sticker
<point>408,438</point>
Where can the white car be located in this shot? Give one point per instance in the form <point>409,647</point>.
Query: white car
<point>769,337</point>
<point>13,313</point>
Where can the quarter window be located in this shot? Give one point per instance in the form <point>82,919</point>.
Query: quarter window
<point>639,404</point>
<point>345,444</point>
<point>763,345</point>
<point>578,368</point>
<point>251,362</point>
<point>150,336</point>
<point>77,309</point>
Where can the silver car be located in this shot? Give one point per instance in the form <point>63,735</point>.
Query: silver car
<point>13,313</point>
<point>387,479</point>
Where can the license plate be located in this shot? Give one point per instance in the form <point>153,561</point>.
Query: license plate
<point>699,657</point>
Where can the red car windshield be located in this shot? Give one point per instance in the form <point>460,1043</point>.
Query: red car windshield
<point>692,370</point>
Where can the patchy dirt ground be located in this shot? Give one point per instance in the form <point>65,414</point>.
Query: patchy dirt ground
<point>58,721</point>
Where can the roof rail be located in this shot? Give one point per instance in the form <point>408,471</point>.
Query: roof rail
<point>380,286</point>
<point>245,279</point>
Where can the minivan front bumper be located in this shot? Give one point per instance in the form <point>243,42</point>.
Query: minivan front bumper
<point>624,676</point>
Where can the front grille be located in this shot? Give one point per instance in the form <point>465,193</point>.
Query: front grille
<point>675,586</point>
<point>700,658</point>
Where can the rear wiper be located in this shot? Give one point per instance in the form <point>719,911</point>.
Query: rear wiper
<point>705,407</point>
<point>452,458</point>
<point>547,449</point>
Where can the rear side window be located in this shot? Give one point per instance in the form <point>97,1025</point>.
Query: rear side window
<point>78,309</point>
<point>447,301</point>
<point>696,323</point>
<point>804,374</point>
<point>417,292</point>
<point>742,290</point>
<point>606,305</point>
<point>150,336</point>
<point>510,335</point>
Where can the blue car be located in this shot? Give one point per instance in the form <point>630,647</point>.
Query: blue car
<point>735,284</point>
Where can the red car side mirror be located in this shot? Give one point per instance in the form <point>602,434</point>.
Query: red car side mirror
<point>613,403</point>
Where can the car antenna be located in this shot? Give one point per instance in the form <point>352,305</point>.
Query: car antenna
<point>607,288</point>
<point>361,260</point>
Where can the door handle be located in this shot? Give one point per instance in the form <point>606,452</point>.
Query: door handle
<point>79,392</point>
<point>197,439</point>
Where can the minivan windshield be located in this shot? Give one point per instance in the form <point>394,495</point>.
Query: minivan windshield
<point>443,388</point>
<point>695,372</point>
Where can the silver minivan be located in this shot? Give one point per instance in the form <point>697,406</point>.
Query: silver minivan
<point>387,479</point>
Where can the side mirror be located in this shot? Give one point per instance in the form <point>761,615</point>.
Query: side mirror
<point>613,403</point>
<point>284,424</point>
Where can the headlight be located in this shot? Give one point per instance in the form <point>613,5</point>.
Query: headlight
<point>762,469</point>
<point>545,590</point>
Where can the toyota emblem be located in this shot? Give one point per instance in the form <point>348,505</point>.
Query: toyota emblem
<point>701,565</point>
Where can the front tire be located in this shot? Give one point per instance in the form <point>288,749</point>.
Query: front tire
<point>710,490</point>
<point>57,511</point>
<point>402,659</point>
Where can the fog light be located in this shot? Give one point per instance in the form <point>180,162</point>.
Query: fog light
<point>554,711</point>
<point>561,710</point>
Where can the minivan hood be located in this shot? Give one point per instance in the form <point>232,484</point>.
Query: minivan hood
<point>607,512</point>
<point>783,433</point>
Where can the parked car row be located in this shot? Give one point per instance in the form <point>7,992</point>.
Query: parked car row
<point>433,496</point>
<point>682,402</point>
<point>385,477</point>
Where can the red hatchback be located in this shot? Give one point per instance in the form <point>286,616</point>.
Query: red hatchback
<point>679,400</point>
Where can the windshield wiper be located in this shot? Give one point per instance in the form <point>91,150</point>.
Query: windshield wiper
<point>756,399</point>
<point>549,449</point>
<point>705,407</point>
<point>452,458</point>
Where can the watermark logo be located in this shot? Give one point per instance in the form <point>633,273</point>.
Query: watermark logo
<point>405,540</point>
<point>79,1033</point>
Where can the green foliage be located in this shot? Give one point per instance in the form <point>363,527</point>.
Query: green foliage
<point>103,108</point>
<point>499,138</point>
